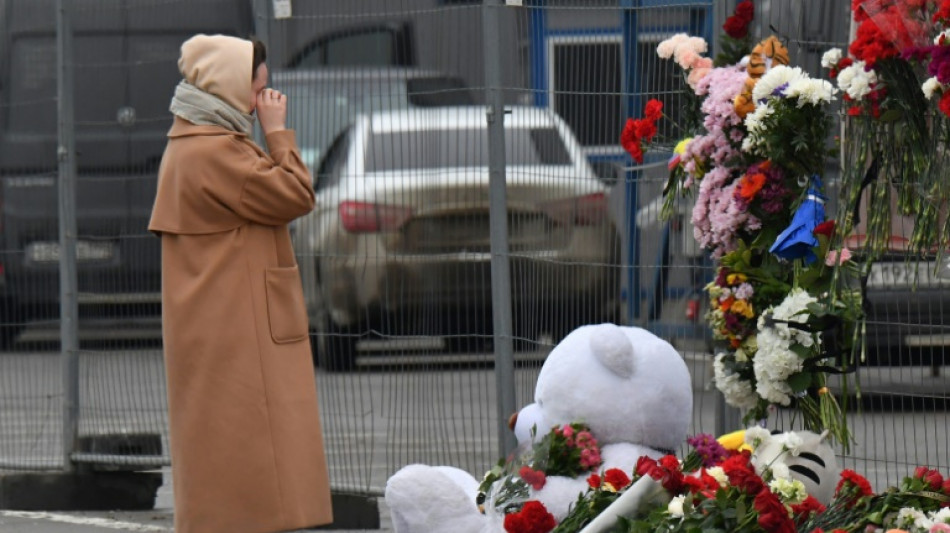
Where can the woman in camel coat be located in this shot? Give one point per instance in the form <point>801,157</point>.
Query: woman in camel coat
<point>246,443</point>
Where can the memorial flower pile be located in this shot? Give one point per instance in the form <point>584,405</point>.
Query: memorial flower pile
<point>784,305</point>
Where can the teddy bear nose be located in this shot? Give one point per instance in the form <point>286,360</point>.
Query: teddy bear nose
<point>512,420</point>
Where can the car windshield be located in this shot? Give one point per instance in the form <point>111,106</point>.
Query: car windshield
<point>450,148</point>
<point>321,109</point>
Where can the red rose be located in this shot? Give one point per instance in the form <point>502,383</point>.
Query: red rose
<point>593,481</point>
<point>653,110</point>
<point>773,516</point>
<point>745,10</point>
<point>616,478</point>
<point>946,486</point>
<point>736,27</point>
<point>929,476</point>
<point>532,518</point>
<point>535,478</point>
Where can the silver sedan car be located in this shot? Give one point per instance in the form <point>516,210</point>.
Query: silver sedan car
<point>398,243</point>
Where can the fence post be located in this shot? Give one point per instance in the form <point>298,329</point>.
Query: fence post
<point>68,305</point>
<point>500,271</point>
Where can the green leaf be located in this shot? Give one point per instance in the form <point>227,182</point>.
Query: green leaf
<point>800,381</point>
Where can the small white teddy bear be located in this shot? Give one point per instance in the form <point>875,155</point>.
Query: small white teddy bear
<point>631,388</point>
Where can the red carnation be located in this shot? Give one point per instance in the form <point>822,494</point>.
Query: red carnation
<point>742,475</point>
<point>807,507</point>
<point>532,518</point>
<point>850,478</point>
<point>593,481</point>
<point>535,478</point>
<point>773,516</point>
<point>944,104</point>
<point>645,129</point>
<point>653,110</point>
<point>616,478</point>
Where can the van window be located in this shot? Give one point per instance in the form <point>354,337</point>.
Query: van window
<point>462,148</point>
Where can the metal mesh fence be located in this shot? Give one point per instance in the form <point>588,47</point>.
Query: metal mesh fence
<point>387,101</point>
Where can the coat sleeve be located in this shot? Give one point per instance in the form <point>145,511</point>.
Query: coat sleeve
<point>277,189</point>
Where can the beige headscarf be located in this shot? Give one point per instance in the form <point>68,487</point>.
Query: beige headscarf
<point>219,67</point>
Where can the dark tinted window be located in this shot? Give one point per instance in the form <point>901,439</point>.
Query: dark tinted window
<point>462,148</point>
<point>371,46</point>
<point>331,167</point>
<point>587,90</point>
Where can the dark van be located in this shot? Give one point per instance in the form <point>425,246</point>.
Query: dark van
<point>125,59</point>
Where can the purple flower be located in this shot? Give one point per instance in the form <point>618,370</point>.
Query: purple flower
<point>709,449</point>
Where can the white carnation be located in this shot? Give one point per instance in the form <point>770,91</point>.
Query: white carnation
<point>942,516</point>
<point>780,470</point>
<point>909,517</point>
<point>756,436</point>
<point>778,77</point>
<point>831,58</point>
<point>793,443</point>
<point>790,491</point>
<point>930,87</point>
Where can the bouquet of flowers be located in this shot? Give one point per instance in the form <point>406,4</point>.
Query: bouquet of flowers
<point>894,138</point>
<point>568,450</point>
<point>784,303</point>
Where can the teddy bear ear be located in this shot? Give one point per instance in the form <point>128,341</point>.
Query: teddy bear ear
<point>613,349</point>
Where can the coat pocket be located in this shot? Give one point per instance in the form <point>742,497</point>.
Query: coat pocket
<point>286,311</point>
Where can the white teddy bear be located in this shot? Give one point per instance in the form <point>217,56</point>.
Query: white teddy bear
<point>631,388</point>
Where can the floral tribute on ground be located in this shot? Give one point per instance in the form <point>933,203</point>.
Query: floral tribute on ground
<point>785,304</point>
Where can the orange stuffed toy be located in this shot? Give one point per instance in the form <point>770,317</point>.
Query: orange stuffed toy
<point>764,56</point>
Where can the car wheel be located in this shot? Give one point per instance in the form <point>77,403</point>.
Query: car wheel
<point>335,349</point>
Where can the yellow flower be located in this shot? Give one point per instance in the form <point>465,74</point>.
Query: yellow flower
<point>681,146</point>
<point>742,307</point>
<point>736,278</point>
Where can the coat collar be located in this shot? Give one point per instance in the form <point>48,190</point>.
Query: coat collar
<point>183,128</point>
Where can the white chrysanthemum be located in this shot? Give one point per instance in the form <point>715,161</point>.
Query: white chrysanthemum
<point>675,507</point>
<point>753,121</point>
<point>737,392</point>
<point>930,87</point>
<point>790,491</point>
<point>811,91</point>
<point>779,77</point>
<point>719,475</point>
<point>942,516</point>
<point>756,436</point>
<point>831,58</point>
<point>908,518</point>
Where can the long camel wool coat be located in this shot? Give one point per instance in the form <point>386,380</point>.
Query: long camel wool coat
<point>246,442</point>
